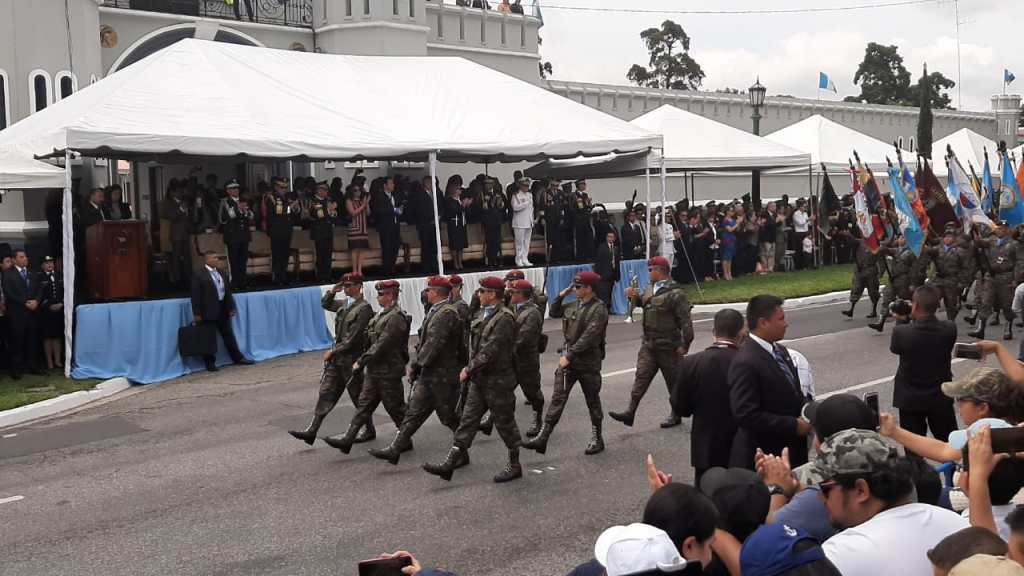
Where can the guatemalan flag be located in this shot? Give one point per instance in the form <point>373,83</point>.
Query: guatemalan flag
<point>909,225</point>
<point>1011,205</point>
<point>825,83</point>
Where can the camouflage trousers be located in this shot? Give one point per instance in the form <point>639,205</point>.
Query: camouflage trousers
<point>429,395</point>
<point>898,289</point>
<point>862,280</point>
<point>590,382</point>
<point>950,290</point>
<point>337,373</point>
<point>377,390</point>
<point>997,295</point>
<point>649,361</point>
<point>498,396</point>
<point>529,381</point>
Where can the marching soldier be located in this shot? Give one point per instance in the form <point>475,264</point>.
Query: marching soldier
<point>529,345</point>
<point>492,379</point>
<point>323,212</point>
<point>583,207</point>
<point>466,316</point>
<point>495,210</point>
<point>434,372</point>
<point>387,352</point>
<point>350,322</point>
<point>905,275</point>
<point>950,263</point>
<point>1001,256</point>
<point>865,275</point>
<point>668,332</point>
<point>584,323</point>
<point>279,212</point>
<point>235,218</point>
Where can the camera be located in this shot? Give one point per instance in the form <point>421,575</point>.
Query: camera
<point>900,308</point>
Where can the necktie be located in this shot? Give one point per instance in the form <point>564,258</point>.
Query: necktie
<point>24,274</point>
<point>781,360</point>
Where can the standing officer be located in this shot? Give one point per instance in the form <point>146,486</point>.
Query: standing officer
<point>235,218</point>
<point>529,345</point>
<point>387,353</point>
<point>323,213</point>
<point>434,372</point>
<point>583,207</point>
<point>492,379</point>
<point>949,265</point>
<point>1001,255</point>
<point>865,275</point>
<point>350,322</point>
<point>550,203</point>
<point>584,323</point>
<point>668,332</point>
<point>178,212</point>
<point>279,212</point>
<point>495,211</point>
<point>905,274</point>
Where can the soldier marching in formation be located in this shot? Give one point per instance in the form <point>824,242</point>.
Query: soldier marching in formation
<point>905,275</point>
<point>530,343</point>
<point>998,282</point>
<point>950,263</point>
<point>865,275</point>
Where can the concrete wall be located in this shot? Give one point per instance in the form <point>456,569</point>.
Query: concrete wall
<point>505,42</point>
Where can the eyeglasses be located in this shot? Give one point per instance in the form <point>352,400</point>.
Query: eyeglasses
<point>827,487</point>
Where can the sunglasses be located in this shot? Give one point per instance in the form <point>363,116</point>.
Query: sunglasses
<point>827,487</point>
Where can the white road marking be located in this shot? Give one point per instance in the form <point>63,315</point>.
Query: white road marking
<point>618,372</point>
<point>10,499</point>
<point>870,384</point>
<point>5,436</point>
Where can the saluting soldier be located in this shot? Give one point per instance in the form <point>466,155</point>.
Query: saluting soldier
<point>950,263</point>
<point>584,322</point>
<point>495,212</point>
<point>1001,255</point>
<point>323,213</point>
<point>383,364</point>
<point>280,211</point>
<point>235,218</point>
<point>492,379</point>
<point>434,372</point>
<point>905,274</point>
<point>529,345</point>
<point>351,319</point>
<point>668,333</point>
<point>583,208</point>
<point>865,275</point>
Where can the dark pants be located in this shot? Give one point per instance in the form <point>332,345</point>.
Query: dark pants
<point>861,281</point>
<point>941,420</point>
<point>648,362</point>
<point>337,378</point>
<point>800,258</point>
<point>998,296</point>
<point>377,390</point>
<point>280,253</point>
<point>181,268</point>
<point>497,396</point>
<point>428,249</point>
<point>529,382</point>
<point>950,290</point>
<point>428,396</point>
<point>324,253</point>
<point>604,292</point>
<point>388,248</point>
<point>492,242</point>
<point>223,325</point>
<point>22,341</point>
<point>590,382</point>
<point>238,257</point>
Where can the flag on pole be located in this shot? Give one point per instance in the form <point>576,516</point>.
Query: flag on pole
<point>987,188</point>
<point>914,196</point>
<point>1008,77</point>
<point>908,223</point>
<point>865,221</point>
<point>984,192</point>
<point>826,83</point>
<point>934,198</point>
<point>960,189</point>
<point>829,201</point>
<point>868,185</point>
<point>1011,203</point>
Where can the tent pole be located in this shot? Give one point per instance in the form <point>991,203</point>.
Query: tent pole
<point>291,176</point>
<point>820,260</point>
<point>437,219</point>
<point>647,190</point>
<point>67,240</point>
<point>665,242</point>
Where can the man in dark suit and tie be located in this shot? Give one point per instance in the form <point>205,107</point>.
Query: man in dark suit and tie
<point>764,390</point>
<point>213,306</point>
<point>607,266</point>
<point>385,213</point>
<point>925,348</point>
<point>21,296</point>
<point>634,237</point>
<point>95,210</point>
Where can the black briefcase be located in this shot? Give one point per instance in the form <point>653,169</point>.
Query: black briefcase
<point>197,340</point>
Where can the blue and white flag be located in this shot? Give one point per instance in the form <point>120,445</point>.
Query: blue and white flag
<point>960,189</point>
<point>825,83</point>
<point>1008,76</point>
<point>987,191</point>
<point>908,223</point>
<point>1011,208</point>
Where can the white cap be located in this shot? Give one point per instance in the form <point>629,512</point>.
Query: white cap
<point>637,548</point>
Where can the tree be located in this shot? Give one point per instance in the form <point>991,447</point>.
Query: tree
<point>936,83</point>
<point>728,90</point>
<point>545,69</point>
<point>924,117</point>
<point>670,63</point>
<point>882,77</point>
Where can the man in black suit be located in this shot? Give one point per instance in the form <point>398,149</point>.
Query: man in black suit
<point>764,390</point>
<point>607,266</point>
<point>925,348</point>
<point>213,306</point>
<point>634,237</point>
<point>701,389</point>
<point>420,213</point>
<point>21,295</point>
<point>385,212</point>
<point>95,210</point>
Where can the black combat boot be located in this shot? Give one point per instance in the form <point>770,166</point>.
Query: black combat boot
<point>971,319</point>
<point>309,434</point>
<point>447,467</point>
<point>512,470</point>
<point>626,417</point>
<point>979,329</point>
<point>538,419</point>
<point>539,443</point>
<point>874,310</point>
<point>392,452</point>
<point>994,321</point>
<point>671,421</point>
<point>344,441</point>
<point>487,423</point>
<point>849,313</point>
<point>1008,331</point>
<point>596,444</point>
<point>880,325</point>
<point>367,434</point>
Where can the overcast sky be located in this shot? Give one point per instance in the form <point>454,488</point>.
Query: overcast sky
<point>788,51</point>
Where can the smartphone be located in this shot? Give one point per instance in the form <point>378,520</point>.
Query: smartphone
<point>1007,440</point>
<point>384,566</point>
<point>871,399</point>
<point>968,351</point>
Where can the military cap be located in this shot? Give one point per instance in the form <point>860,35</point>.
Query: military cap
<point>491,283</point>
<point>581,181</point>
<point>388,285</point>
<point>278,180</point>
<point>522,286</point>
<point>514,275</point>
<point>49,259</point>
<point>439,282</point>
<point>232,184</point>
<point>523,180</point>
<point>982,384</point>
<point>851,452</point>
<point>639,208</point>
<point>587,278</point>
<point>951,228</point>
<point>658,261</point>
<point>455,280</point>
<point>353,278</point>
<point>323,184</point>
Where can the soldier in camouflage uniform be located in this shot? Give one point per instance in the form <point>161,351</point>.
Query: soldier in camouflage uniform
<point>435,370</point>
<point>529,337</point>
<point>865,275</point>
<point>492,378</point>
<point>950,263</point>
<point>350,322</point>
<point>1001,258</point>
<point>387,352</point>
<point>467,317</point>
<point>905,274</point>
<point>668,332</point>
<point>584,323</point>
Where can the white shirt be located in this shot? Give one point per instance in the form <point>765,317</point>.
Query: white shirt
<point>803,372</point>
<point>218,281</point>
<point>800,220</point>
<point>999,514</point>
<point>763,343</point>
<point>522,210</point>
<point>894,542</point>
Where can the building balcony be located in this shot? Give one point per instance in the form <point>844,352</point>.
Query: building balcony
<point>297,13</point>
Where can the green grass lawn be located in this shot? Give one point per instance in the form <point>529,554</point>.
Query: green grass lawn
<point>32,388</point>
<point>782,284</point>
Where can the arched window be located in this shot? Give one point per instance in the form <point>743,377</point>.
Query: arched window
<point>5,101</point>
<point>40,92</point>
<point>912,148</point>
<point>900,143</point>
<point>66,85</point>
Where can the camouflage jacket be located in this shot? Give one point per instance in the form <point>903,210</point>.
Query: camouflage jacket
<point>666,316</point>
<point>440,336</point>
<point>529,326</point>
<point>387,339</point>
<point>350,325</point>
<point>583,327</point>
<point>492,338</point>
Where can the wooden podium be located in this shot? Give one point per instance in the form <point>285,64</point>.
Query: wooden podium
<point>116,259</point>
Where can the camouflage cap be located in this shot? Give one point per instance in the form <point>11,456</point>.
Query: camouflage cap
<point>982,384</point>
<point>851,452</point>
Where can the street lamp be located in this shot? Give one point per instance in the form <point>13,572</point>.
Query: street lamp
<point>756,93</point>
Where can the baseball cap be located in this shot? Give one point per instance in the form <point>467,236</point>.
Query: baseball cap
<point>850,452</point>
<point>986,565</point>
<point>637,548</point>
<point>769,551</point>
<point>982,384</point>
<point>839,412</point>
<point>958,439</point>
<point>741,497</point>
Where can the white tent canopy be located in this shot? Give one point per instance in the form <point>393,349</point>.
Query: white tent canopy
<point>213,99</point>
<point>19,170</point>
<point>969,146</point>
<point>833,144</point>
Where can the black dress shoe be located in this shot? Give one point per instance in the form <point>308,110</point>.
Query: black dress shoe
<point>245,362</point>
<point>212,368</point>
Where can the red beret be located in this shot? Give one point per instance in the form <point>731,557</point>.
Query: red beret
<point>514,275</point>
<point>352,278</point>
<point>659,261</point>
<point>388,285</point>
<point>455,280</point>
<point>587,278</point>
<point>491,283</point>
<point>438,282</point>
<point>522,286</point>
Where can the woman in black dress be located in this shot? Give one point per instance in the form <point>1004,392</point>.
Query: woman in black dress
<point>52,317</point>
<point>455,215</point>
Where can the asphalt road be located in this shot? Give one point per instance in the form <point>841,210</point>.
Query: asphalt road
<point>198,475</point>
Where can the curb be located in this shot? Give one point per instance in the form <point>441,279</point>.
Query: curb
<point>840,296</point>
<point>53,406</point>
